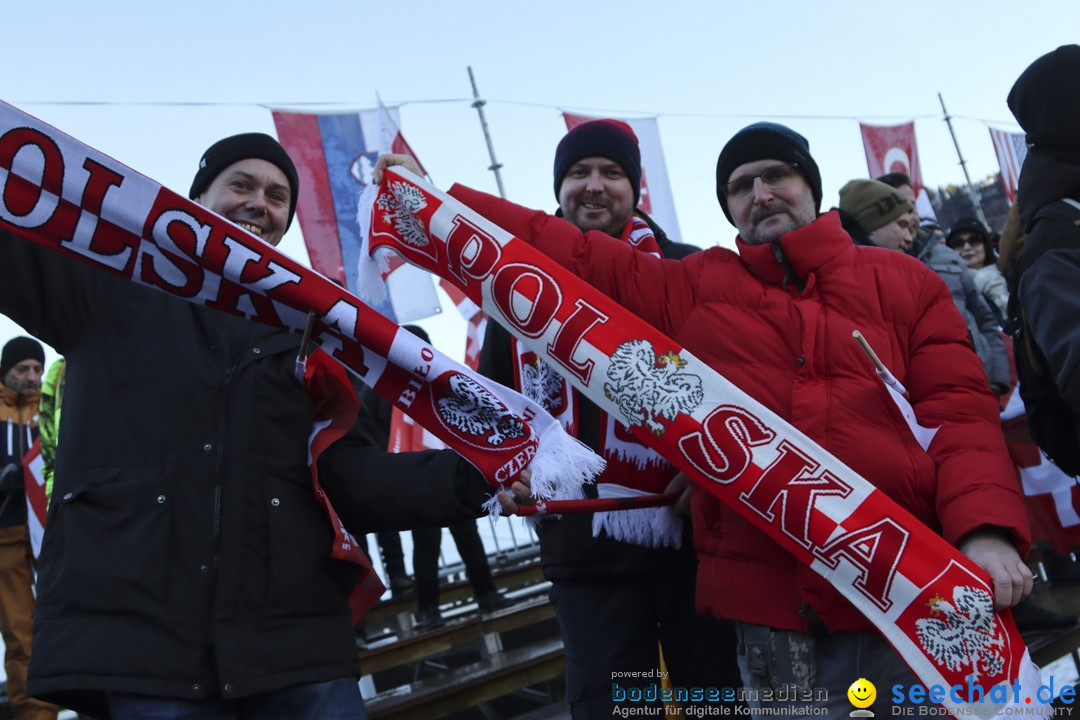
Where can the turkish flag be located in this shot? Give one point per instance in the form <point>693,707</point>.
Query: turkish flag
<point>891,148</point>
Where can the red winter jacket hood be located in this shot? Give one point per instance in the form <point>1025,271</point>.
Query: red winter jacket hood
<point>790,346</point>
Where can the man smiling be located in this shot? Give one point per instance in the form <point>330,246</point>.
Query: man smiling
<point>250,180</point>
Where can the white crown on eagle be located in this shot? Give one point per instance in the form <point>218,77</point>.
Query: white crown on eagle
<point>966,636</point>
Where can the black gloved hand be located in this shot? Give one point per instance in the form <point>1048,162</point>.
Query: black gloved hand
<point>11,478</point>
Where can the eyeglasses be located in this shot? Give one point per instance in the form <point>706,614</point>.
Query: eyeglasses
<point>774,178</point>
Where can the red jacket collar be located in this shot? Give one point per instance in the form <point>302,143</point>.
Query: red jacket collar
<point>807,249</point>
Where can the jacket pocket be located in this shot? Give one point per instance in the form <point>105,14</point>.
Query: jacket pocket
<point>302,578</point>
<point>109,548</point>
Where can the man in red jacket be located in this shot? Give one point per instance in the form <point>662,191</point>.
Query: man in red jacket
<point>776,318</point>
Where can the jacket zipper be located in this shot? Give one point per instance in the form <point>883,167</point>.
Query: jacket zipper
<point>219,466</point>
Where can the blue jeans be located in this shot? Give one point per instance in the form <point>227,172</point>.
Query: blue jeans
<point>333,700</point>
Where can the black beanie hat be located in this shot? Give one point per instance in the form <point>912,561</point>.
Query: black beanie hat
<point>971,225</point>
<point>1046,102</point>
<point>233,149</point>
<point>18,349</point>
<point>608,138</point>
<point>766,141</point>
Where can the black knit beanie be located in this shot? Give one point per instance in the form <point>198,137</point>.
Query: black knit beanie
<point>971,225</point>
<point>1046,102</point>
<point>766,141</point>
<point>608,138</point>
<point>233,149</point>
<point>18,349</point>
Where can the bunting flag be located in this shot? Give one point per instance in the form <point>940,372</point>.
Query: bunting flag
<point>61,194</point>
<point>336,404</point>
<point>891,148</point>
<point>36,502</point>
<point>1011,150</point>
<point>657,200</point>
<point>335,155</point>
<point>918,590</point>
<point>1053,498</point>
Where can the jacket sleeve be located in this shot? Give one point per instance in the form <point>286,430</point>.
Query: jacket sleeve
<point>374,490</point>
<point>48,294</point>
<point>660,292</point>
<point>1051,306</point>
<point>996,362</point>
<point>991,283</point>
<point>976,482</point>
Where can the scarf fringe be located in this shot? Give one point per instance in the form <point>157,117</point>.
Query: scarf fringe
<point>369,270</point>
<point>1030,677</point>
<point>562,465</point>
<point>491,506</point>
<point>653,527</point>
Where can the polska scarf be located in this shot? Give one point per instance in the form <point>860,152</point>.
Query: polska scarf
<point>634,473</point>
<point>69,198</point>
<point>933,604</point>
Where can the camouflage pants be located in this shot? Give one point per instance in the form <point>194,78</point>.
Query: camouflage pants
<point>792,669</point>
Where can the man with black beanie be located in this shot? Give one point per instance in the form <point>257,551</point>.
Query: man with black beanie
<point>616,602</point>
<point>776,318</point>
<point>22,363</point>
<point>186,569</point>
<point>1044,304</point>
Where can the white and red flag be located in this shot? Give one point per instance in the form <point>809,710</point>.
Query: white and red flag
<point>1011,150</point>
<point>1053,498</point>
<point>335,154</point>
<point>657,200</point>
<point>36,502</point>
<point>892,148</point>
<point>336,404</point>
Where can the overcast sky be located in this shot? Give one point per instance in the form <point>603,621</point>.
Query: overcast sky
<point>154,84</point>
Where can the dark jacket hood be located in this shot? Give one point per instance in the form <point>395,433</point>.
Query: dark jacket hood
<point>1044,179</point>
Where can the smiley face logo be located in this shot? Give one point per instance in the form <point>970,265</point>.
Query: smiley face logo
<point>862,693</point>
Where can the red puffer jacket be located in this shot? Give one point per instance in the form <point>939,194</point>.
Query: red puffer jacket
<point>793,351</point>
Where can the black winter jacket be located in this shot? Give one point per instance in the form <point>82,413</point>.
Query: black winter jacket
<point>185,553</point>
<point>1049,270</point>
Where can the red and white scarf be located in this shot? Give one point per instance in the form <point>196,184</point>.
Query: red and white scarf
<point>933,604</point>
<point>633,470</point>
<point>69,198</point>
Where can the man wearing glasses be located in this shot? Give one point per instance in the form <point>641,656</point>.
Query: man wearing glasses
<point>776,318</point>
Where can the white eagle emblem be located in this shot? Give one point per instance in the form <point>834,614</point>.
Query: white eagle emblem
<point>542,385</point>
<point>399,208</point>
<point>473,410</point>
<point>645,385</point>
<point>966,636</point>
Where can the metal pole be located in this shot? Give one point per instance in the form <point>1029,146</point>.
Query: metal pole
<point>963,164</point>
<point>479,105</point>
